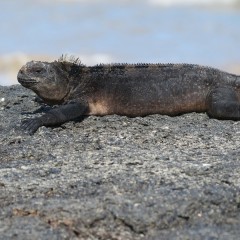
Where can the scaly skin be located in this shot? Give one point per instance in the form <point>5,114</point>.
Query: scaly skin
<point>129,89</point>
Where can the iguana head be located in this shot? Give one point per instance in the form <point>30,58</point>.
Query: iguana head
<point>48,80</point>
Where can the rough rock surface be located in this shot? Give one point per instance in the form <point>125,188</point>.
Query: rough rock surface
<point>113,177</point>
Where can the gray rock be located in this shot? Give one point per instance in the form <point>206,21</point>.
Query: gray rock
<point>114,177</point>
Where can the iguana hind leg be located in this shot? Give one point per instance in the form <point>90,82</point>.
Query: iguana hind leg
<point>223,103</point>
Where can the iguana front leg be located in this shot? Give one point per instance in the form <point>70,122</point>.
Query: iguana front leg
<point>223,103</point>
<point>55,116</point>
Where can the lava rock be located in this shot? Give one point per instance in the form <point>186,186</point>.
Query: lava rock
<point>115,177</point>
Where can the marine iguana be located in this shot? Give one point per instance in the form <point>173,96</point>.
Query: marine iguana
<point>128,89</point>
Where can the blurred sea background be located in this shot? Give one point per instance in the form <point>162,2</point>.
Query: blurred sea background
<point>205,32</point>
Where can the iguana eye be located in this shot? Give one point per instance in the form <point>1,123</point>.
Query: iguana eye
<point>38,70</point>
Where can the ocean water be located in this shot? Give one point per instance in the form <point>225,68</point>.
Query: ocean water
<point>189,31</point>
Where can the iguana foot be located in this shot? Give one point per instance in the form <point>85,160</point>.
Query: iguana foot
<point>31,125</point>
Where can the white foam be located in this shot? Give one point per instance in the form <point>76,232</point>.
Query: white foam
<point>192,2</point>
<point>6,80</point>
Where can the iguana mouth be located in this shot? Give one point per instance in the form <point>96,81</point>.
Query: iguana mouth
<point>27,82</point>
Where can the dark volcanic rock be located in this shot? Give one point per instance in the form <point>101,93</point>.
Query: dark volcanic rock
<point>115,177</point>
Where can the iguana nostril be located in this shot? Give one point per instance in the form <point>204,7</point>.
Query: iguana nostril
<point>22,70</point>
